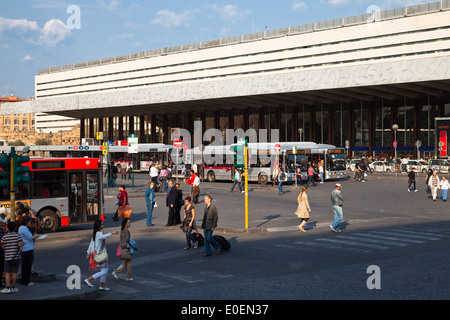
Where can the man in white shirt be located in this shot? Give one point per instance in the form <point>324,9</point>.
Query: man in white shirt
<point>154,175</point>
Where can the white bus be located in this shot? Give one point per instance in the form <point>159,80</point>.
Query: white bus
<point>264,160</point>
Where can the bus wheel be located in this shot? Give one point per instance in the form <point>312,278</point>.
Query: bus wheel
<point>49,221</point>
<point>263,179</point>
<point>211,176</point>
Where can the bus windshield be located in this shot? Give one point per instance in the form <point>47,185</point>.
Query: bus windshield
<point>297,159</point>
<point>336,162</point>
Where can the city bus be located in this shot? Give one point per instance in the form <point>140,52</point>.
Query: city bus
<point>264,160</point>
<point>148,153</point>
<point>334,160</point>
<point>61,192</point>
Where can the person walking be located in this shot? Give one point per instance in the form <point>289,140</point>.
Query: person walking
<point>150,201</point>
<point>96,245</point>
<point>337,200</point>
<point>171,202</point>
<point>2,253</point>
<point>27,250</point>
<point>125,254</point>
<point>122,200</point>
<point>196,188</point>
<point>163,179</point>
<point>153,172</point>
<point>429,174</point>
<point>189,220</point>
<point>311,173</point>
<point>321,172</point>
<point>412,179</point>
<point>303,209</point>
<point>433,183</point>
<point>190,181</point>
<point>11,244</point>
<point>280,177</point>
<point>209,223</point>
<point>444,185</point>
<point>236,180</point>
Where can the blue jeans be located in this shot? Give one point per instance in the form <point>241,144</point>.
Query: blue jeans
<point>209,241</point>
<point>280,186</point>
<point>444,194</point>
<point>338,215</point>
<point>149,213</point>
<point>189,237</point>
<point>235,182</point>
<point>412,182</point>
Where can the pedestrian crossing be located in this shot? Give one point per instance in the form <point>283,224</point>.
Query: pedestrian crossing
<point>347,243</point>
<point>372,240</point>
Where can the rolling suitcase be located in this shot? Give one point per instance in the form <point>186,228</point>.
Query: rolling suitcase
<point>199,238</point>
<point>223,242</point>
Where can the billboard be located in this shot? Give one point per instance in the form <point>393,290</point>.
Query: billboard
<point>442,126</point>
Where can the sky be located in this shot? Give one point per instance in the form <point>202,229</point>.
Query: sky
<point>38,34</point>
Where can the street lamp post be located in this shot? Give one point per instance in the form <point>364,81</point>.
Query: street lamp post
<point>395,128</point>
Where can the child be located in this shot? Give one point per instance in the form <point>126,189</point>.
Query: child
<point>11,243</point>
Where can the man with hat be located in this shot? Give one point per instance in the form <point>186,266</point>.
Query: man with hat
<point>337,199</point>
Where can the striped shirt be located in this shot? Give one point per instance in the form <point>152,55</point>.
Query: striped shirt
<point>10,242</point>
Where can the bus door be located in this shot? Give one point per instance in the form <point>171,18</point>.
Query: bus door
<point>84,190</point>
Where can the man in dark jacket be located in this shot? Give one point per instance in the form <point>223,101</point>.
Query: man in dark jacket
<point>171,202</point>
<point>208,225</point>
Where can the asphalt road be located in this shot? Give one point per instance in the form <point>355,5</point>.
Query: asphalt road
<point>403,236</point>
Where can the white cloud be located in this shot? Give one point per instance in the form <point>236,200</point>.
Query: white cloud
<point>338,3</point>
<point>26,59</point>
<point>54,32</point>
<point>20,25</point>
<point>299,6</point>
<point>229,12</point>
<point>167,18</point>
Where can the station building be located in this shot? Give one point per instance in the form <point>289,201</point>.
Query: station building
<point>347,79</point>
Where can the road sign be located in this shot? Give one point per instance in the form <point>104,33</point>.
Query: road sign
<point>395,144</point>
<point>277,147</point>
<point>177,143</point>
<point>132,143</point>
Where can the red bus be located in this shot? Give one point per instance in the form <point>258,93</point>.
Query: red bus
<point>61,192</point>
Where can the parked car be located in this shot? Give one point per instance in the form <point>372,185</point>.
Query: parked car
<point>383,166</point>
<point>419,165</point>
<point>439,165</point>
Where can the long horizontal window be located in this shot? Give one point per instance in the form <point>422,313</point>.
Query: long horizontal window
<point>260,53</point>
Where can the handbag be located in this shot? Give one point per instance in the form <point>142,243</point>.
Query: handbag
<point>101,257</point>
<point>184,226</point>
<point>124,211</point>
<point>125,254</point>
<point>118,253</point>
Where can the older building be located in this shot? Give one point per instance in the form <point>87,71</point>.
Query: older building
<point>344,79</point>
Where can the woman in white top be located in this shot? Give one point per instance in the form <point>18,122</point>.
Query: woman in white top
<point>444,185</point>
<point>98,244</point>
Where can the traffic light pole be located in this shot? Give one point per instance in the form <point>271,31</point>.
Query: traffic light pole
<point>12,192</point>
<point>246,186</point>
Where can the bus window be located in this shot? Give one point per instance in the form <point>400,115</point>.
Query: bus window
<point>336,162</point>
<point>301,161</point>
<point>49,184</point>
